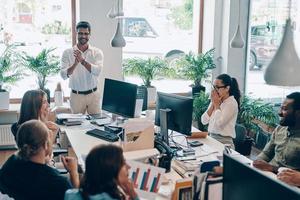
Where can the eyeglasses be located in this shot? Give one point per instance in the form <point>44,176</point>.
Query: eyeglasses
<point>81,33</point>
<point>218,87</point>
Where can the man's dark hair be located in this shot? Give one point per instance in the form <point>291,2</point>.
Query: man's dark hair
<point>83,24</point>
<point>296,97</point>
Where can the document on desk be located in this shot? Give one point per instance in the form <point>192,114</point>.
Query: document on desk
<point>204,150</point>
<point>70,117</point>
<point>146,178</point>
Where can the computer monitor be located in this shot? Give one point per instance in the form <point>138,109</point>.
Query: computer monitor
<point>241,181</point>
<point>119,97</point>
<point>173,112</point>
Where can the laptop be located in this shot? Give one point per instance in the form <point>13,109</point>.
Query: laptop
<point>7,139</point>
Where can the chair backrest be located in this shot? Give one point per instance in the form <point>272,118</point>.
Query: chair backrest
<point>241,132</point>
<point>242,143</point>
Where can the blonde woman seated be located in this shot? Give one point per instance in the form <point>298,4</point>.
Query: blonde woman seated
<point>222,112</point>
<point>27,176</point>
<point>105,177</point>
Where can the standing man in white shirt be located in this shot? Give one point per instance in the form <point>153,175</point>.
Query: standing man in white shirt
<point>82,65</point>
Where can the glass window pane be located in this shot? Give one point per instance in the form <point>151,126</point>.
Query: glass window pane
<point>267,27</point>
<point>32,26</point>
<point>156,28</point>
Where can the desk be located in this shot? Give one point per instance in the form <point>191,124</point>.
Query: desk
<point>83,143</point>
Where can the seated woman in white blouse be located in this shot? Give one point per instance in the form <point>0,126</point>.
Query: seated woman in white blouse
<point>223,109</point>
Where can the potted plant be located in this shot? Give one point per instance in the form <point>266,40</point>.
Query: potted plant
<point>195,67</point>
<point>200,105</point>
<point>44,65</point>
<point>10,72</point>
<point>258,118</point>
<point>147,70</point>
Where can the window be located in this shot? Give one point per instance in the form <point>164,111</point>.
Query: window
<point>157,28</point>
<point>267,27</point>
<point>33,26</point>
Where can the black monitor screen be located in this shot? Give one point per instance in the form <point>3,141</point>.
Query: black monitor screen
<point>119,97</point>
<point>242,181</point>
<point>180,115</point>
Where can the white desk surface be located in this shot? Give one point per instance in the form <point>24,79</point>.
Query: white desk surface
<point>83,143</point>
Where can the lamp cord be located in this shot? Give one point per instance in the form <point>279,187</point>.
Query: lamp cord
<point>239,12</point>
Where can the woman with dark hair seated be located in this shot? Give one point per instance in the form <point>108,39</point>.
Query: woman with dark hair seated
<point>27,176</point>
<point>34,105</point>
<point>105,177</point>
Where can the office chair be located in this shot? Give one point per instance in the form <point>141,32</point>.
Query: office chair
<point>242,142</point>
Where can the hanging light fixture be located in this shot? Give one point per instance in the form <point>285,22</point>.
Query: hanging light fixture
<point>284,69</point>
<point>237,41</point>
<point>118,39</point>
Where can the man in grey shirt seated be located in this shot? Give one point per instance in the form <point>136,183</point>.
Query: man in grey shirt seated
<point>283,150</point>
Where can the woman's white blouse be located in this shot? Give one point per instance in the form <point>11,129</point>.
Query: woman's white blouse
<point>222,121</point>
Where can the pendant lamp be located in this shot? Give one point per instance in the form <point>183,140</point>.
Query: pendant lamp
<point>118,39</point>
<point>237,41</point>
<point>284,69</point>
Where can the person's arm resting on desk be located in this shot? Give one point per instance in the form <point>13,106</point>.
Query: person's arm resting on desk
<point>266,156</point>
<point>289,176</point>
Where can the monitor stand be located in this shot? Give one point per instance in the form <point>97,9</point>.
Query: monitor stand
<point>164,131</point>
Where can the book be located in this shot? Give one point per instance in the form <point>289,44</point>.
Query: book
<point>183,189</point>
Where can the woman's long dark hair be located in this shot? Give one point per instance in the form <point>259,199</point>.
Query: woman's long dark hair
<point>234,87</point>
<point>102,167</point>
<point>31,104</point>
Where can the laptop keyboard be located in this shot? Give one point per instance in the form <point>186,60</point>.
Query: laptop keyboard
<point>7,140</point>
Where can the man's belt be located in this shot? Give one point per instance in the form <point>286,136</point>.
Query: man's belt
<point>85,92</point>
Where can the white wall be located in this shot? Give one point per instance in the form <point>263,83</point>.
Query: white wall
<point>220,22</point>
<point>103,29</point>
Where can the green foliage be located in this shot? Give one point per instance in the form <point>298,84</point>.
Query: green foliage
<point>255,109</point>
<point>201,103</point>
<point>147,69</point>
<point>10,70</point>
<point>44,64</point>
<point>183,15</point>
<point>195,67</point>
<point>56,28</point>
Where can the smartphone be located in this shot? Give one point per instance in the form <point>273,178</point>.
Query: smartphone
<point>195,143</point>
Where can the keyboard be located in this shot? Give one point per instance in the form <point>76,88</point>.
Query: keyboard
<point>104,135</point>
<point>7,140</point>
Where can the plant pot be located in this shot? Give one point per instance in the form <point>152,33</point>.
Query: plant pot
<point>151,95</point>
<point>4,100</point>
<point>197,89</point>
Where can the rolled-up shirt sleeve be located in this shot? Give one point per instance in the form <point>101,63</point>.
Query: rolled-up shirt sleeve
<point>98,64</point>
<point>64,65</point>
<point>205,118</point>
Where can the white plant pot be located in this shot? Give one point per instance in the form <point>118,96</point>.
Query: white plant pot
<point>4,100</point>
<point>151,95</point>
